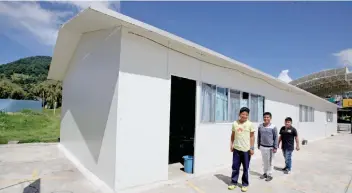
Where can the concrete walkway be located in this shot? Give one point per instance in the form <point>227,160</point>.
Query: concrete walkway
<point>39,168</point>
<point>323,166</point>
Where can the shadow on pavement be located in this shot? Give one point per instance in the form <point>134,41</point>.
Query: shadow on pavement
<point>225,179</point>
<point>34,187</point>
<point>255,173</point>
<point>278,169</point>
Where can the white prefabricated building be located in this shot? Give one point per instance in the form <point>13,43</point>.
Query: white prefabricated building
<point>120,77</point>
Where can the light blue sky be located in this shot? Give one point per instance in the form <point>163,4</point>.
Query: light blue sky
<point>303,37</point>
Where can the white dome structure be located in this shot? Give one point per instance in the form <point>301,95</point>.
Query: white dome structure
<point>327,82</point>
<point>284,76</point>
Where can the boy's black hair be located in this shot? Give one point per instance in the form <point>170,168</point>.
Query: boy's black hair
<point>288,119</point>
<point>267,113</point>
<point>244,109</point>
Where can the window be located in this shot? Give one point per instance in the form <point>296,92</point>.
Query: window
<point>260,108</point>
<point>208,102</point>
<point>254,113</point>
<point>329,117</point>
<point>235,104</point>
<point>311,114</point>
<point>306,114</point>
<point>257,108</point>
<point>223,105</point>
<point>245,100</point>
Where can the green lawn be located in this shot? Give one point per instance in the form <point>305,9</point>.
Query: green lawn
<point>29,127</point>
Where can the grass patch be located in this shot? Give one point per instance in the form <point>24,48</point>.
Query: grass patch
<point>29,126</point>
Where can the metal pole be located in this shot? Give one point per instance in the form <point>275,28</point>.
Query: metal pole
<point>55,107</point>
<point>350,120</point>
<point>43,99</point>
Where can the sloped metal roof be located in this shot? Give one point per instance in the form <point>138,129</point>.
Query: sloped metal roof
<point>97,18</point>
<point>326,82</point>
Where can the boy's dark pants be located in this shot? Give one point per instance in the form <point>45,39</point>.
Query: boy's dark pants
<point>240,157</point>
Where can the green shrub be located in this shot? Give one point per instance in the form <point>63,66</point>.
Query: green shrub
<point>3,141</point>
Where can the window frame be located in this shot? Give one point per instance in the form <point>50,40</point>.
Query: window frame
<point>212,115</point>
<point>306,114</point>
<point>329,115</point>
<point>227,108</point>
<point>229,113</point>
<point>250,107</point>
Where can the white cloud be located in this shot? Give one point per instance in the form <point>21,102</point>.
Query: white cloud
<point>35,21</point>
<point>30,17</point>
<point>85,4</point>
<point>284,76</point>
<point>345,57</point>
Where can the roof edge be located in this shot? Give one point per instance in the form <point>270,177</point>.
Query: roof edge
<point>55,65</point>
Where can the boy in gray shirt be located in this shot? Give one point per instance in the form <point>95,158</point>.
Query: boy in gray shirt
<point>267,143</point>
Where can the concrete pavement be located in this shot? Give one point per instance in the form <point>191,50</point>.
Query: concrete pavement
<point>39,168</point>
<point>323,166</point>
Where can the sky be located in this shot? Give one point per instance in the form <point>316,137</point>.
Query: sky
<point>286,39</point>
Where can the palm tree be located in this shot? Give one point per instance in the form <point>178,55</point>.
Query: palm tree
<point>49,91</point>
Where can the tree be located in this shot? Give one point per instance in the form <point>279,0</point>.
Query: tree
<point>26,79</point>
<point>18,93</point>
<point>22,79</point>
<point>5,88</point>
<point>36,66</point>
<point>50,91</point>
<point>11,90</point>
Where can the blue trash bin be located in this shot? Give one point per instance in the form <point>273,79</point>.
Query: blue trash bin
<point>188,164</point>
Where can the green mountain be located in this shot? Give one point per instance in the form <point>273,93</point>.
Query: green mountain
<point>35,66</point>
<point>26,79</point>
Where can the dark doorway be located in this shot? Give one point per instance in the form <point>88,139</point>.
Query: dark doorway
<point>182,118</point>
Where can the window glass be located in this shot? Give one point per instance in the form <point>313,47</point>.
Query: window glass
<point>254,111</point>
<point>235,104</point>
<point>221,104</point>
<point>208,102</point>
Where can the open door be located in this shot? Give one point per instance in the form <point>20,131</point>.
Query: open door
<point>182,119</point>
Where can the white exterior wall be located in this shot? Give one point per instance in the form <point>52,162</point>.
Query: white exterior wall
<point>89,112</point>
<point>144,105</point>
<point>143,113</point>
<point>213,139</point>
<point>116,124</point>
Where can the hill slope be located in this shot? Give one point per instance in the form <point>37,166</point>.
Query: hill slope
<point>35,66</point>
<point>26,79</point>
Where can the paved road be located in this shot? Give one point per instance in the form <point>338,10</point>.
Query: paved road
<point>324,166</point>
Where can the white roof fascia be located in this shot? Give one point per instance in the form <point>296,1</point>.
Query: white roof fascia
<point>97,18</point>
